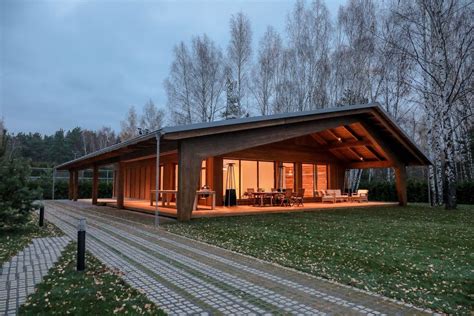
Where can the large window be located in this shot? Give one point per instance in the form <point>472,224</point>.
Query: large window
<point>322,177</point>
<point>176,172</point>
<point>289,175</point>
<point>315,177</point>
<point>203,174</point>
<point>308,179</point>
<point>266,175</point>
<point>248,174</point>
<point>251,174</point>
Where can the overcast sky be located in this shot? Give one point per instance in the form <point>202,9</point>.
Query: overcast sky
<point>69,63</point>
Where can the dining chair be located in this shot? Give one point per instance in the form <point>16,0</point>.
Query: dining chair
<point>298,198</point>
<point>287,198</point>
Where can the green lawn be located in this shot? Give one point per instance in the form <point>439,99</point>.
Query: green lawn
<point>97,291</point>
<point>417,254</point>
<point>14,240</point>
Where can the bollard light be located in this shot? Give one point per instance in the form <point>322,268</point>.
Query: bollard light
<point>41,216</point>
<point>81,245</point>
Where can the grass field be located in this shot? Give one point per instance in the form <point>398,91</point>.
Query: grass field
<point>14,240</point>
<point>97,291</point>
<point>417,254</point>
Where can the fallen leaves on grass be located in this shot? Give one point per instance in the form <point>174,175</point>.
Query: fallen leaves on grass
<point>96,291</point>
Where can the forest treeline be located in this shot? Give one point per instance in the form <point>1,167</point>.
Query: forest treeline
<point>415,58</point>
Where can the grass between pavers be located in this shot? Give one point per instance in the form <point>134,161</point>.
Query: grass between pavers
<point>416,254</point>
<point>14,240</point>
<point>96,291</point>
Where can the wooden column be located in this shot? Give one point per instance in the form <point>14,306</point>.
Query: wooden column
<point>188,179</point>
<point>120,184</point>
<point>75,185</point>
<point>215,172</point>
<point>95,184</point>
<point>276,167</point>
<point>71,185</point>
<point>401,184</point>
<point>336,176</point>
<point>298,176</point>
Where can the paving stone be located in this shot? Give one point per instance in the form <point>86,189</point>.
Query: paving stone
<point>189,277</point>
<point>16,281</point>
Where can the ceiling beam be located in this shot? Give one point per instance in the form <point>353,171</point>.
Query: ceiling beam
<point>369,164</point>
<point>351,131</point>
<point>350,143</point>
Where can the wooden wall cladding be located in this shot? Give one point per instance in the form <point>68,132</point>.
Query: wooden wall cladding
<point>140,178</point>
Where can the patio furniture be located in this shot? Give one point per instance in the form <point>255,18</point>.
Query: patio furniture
<point>268,197</point>
<point>335,196</point>
<point>166,196</point>
<point>298,198</point>
<point>286,199</point>
<point>360,196</point>
<point>249,193</point>
<point>318,195</point>
<point>206,193</point>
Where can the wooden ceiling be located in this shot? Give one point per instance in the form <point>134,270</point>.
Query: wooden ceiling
<point>350,144</point>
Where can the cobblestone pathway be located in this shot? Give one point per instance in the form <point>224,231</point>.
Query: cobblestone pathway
<point>183,276</point>
<point>19,276</point>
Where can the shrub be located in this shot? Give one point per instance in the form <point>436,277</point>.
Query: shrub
<point>16,197</point>
<point>417,191</point>
<point>61,187</point>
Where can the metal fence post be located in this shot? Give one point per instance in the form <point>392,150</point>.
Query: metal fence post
<point>81,245</point>
<point>54,183</point>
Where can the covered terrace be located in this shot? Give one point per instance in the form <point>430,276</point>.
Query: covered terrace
<point>310,150</point>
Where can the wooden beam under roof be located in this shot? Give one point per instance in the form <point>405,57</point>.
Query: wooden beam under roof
<point>351,143</point>
<point>318,138</point>
<point>338,138</point>
<point>369,164</point>
<point>352,132</point>
<point>375,153</point>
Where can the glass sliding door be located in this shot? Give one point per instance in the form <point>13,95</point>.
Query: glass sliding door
<point>203,181</point>
<point>308,179</point>
<point>289,175</point>
<point>321,177</point>
<point>248,175</point>
<point>266,175</point>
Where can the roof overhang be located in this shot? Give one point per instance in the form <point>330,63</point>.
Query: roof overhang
<point>373,115</point>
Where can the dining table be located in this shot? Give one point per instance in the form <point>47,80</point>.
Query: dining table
<point>261,195</point>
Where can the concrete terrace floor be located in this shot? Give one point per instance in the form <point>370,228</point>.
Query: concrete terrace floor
<point>240,210</point>
<point>183,276</point>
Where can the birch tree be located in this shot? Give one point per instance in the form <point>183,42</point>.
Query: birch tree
<point>239,53</point>
<point>152,118</point>
<point>196,81</point>
<point>266,71</point>
<point>441,40</point>
<point>309,34</point>
<point>129,126</point>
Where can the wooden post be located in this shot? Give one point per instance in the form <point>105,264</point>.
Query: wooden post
<point>298,176</point>
<point>401,184</point>
<point>216,181</point>
<point>188,179</point>
<point>95,184</point>
<point>75,185</point>
<point>120,184</point>
<point>71,185</point>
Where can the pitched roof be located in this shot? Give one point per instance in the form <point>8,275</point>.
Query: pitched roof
<point>174,133</point>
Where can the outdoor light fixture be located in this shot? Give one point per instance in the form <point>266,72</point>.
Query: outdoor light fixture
<point>81,245</point>
<point>339,139</point>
